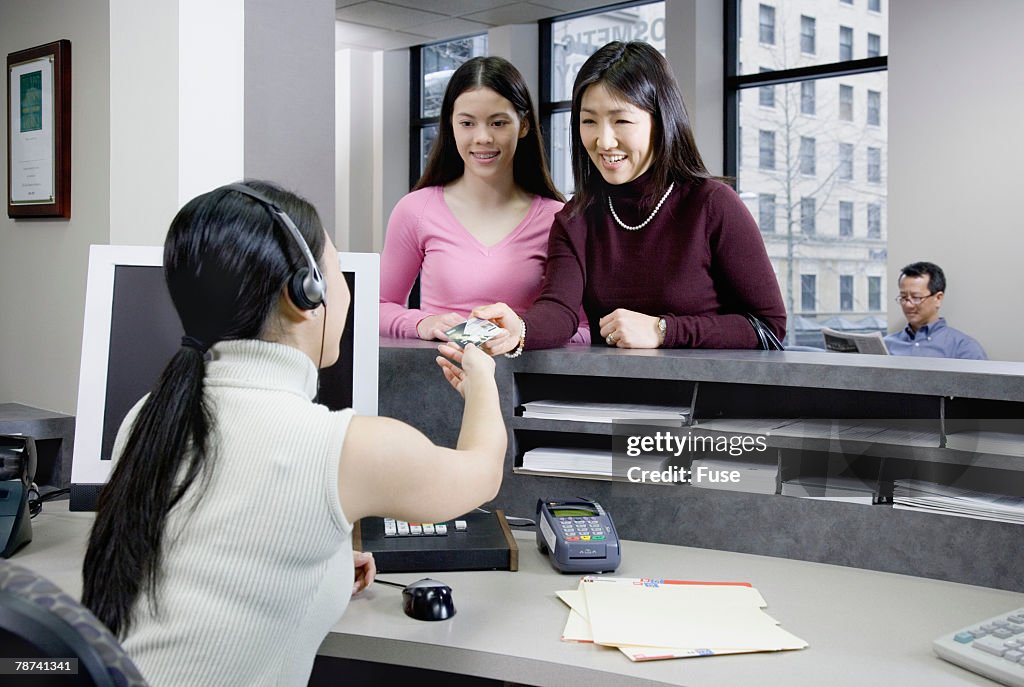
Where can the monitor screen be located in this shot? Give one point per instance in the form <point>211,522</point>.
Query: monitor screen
<point>132,330</point>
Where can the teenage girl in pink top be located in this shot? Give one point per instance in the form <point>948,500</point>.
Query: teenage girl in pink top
<point>476,226</point>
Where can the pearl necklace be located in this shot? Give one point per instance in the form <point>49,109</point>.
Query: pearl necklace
<point>646,221</point>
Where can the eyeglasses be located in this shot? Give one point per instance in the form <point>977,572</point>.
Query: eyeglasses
<point>914,300</point>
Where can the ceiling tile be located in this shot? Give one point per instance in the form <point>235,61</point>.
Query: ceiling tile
<point>515,13</point>
<point>383,15</point>
<point>348,35</point>
<point>567,6</point>
<point>454,8</point>
<point>452,28</point>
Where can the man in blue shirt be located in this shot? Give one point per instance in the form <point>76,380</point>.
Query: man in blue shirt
<point>922,287</point>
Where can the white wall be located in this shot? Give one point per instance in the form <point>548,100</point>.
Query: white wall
<point>956,104</point>
<point>43,261</point>
<point>157,116</point>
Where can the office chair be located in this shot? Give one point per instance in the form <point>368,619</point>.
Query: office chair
<point>39,621</point>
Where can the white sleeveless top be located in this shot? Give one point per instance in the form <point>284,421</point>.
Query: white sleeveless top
<point>256,572</point>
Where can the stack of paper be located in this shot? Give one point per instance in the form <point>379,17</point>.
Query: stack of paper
<point>913,494</point>
<point>755,478</point>
<point>571,460</point>
<point>657,619</point>
<point>604,412</point>
<point>986,441</point>
<point>849,489</point>
<point>907,432</point>
<point>583,461</point>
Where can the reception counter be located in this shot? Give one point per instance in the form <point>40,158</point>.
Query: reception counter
<point>935,398</point>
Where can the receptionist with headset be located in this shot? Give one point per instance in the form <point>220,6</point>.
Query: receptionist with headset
<point>221,551</point>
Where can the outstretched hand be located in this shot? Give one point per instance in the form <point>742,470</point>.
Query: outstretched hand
<point>463,365</point>
<point>506,318</point>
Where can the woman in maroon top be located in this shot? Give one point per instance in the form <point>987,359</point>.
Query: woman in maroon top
<point>658,253</point>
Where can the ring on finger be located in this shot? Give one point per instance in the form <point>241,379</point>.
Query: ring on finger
<point>610,339</point>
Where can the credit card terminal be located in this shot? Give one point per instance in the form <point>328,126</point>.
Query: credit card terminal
<point>578,535</point>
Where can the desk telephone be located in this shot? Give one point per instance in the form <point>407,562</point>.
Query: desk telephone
<point>578,535</point>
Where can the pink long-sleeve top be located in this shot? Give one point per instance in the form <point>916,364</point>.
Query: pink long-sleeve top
<point>458,273</point>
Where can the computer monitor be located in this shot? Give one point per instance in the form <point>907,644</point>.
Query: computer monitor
<point>132,330</point>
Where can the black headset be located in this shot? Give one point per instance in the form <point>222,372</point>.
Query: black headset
<point>307,287</point>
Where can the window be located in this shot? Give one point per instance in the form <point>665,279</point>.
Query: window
<point>845,218</point>
<point>566,43</point>
<point>808,292</point>
<point>845,169</point>
<point>874,108</point>
<point>766,14</point>
<point>875,5</point>
<point>846,103</point>
<point>846,292</point>
<point>807,97</point>
<point>807,35</point>
<point>432,65</point>
<point>845,43</point>
<point>766,150</point>
<point>807,216</point>
<point>874,221</point>
<point>803,163</point>
<point>874,293</point>
<point>766,212</point>
<point>874,45</point>
<point>766,94</point>
<point>807,157</point>
<point>874,165</point>
<point>846,2</point>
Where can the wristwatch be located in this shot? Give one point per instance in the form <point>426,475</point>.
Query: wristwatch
<point>662,328</point>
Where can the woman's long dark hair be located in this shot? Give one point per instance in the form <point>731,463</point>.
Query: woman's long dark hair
<point>225,264</point>
<point>638,74</point>
<point>530,166</point>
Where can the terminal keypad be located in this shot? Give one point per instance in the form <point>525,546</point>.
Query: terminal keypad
<point>581,529</point>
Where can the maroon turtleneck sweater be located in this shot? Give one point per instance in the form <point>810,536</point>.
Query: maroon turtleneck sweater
<point>700,264</point>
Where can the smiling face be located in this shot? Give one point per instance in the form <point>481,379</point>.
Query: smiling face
<point>487,129</point>
<point>616,134</point>
<point>927,311</point>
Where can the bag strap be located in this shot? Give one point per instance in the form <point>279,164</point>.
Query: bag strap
<point>766,339</point>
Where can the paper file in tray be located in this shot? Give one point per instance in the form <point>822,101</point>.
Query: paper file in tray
<point>580,411</point>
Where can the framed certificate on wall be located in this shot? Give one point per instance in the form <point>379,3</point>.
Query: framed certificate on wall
<point>39,131</point>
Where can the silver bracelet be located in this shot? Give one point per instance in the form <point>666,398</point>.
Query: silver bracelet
<point>522,341</point>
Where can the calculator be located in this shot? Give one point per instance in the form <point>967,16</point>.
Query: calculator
<point>993,648</point>
<point>578,535</point>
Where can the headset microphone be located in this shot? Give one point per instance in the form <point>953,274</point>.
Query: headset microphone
<point>306,287</point>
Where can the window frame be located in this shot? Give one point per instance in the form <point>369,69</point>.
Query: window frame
<point>846,219</point>
<point>874,166</point>
<point>846,295</point>
<point>736,82</point>
<point>812,37</point>
<point>546,107</point>
<point>808,216</point>
<point>763,199</point>
<point>874,109</point>
<point>845,31</point>
<point>874,293</point>
<point>808,151</point>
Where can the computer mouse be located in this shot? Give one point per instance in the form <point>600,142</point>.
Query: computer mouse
<point>428,599</point>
